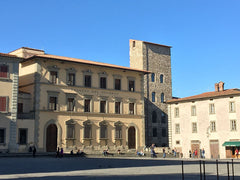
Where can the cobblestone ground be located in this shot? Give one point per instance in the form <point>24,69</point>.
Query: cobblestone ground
<point>111,168</point>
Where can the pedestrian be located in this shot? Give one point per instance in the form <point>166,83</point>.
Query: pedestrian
<point>58,153</point>
<point>236,152</point>
<point>34,150</point>
<point>196,154</point>
<point>190,153</point>
<point>203,153</point>
<point>61,152</point>
<point>164,153</point>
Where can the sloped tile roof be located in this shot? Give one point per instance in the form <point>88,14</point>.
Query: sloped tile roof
<point>213,94</point>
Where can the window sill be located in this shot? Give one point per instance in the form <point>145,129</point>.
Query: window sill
<point>5,79</point>
<point>70,138</point>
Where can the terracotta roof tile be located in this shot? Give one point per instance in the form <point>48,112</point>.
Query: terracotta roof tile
<point>62,58</point>
<point>205,95</point>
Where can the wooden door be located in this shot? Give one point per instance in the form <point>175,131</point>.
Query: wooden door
<point>131,138</point>
<point>214,149</point>
<point>51,141</point>
<point>194,147</point>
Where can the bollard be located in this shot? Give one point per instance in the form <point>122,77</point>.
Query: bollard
<point>217,169</point>
<point>200,163</point>
<point>232,170</point>
<point>228,170</point>
<point>182,172</point>
<point>204,175</point>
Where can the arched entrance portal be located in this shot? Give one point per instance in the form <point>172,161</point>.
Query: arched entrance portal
<point>131,138</point>
<point>51,141</point>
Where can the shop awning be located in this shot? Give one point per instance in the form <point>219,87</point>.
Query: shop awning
<point>231,143</point>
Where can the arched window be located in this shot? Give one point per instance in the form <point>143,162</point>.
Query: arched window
<point>161,78</point>
<point>162,97</point>
<point>153,96</point>
<point>153,77</point>
<point>154,117</point>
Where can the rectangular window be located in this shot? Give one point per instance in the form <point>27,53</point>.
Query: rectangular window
<point>87,131</point>
<point>52,103</point>
<point>131,108</point>
<point>231,106</point>
<point>178,142</point>
<point>70,104</point>
<point>194,127</point>
<point>233,125</point>
<point>3,71</point>
<point>103,132</point>
<point>176,113</point>
<point>22,136</point>
<point>117,107</point>
<point>88,81</point>
<point>193,111</point>
<point>20,107</point>
<point>2,136</point>
<point>118,134</point>
<point>70,132</point>
<point>117,84</point>
<point>131,85</point>
<point>164,132</point>
<point>153,96</point>
<point>103,82</point>
<point>3,104</point>
<point>102,106</point>
<point>53,77</point>
<point>71,79</point>
<point>87,105</point>
<point>154,132</point>
<point>213,126</point>
<point>211,109</point>
<point>177,128</point>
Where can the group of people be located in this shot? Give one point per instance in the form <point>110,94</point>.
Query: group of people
<point>59,153</point>
<point>196,154</point>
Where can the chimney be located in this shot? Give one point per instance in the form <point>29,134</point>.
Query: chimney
<point>216,87</point>
<point>221,86</point>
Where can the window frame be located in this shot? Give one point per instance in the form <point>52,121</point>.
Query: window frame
<point>213,127</point>
<point>19,136</point>
<point>117,110</point>
<point>176,112</point>
<point>232,108</point>
<point>7,73</point>
<point>161,78</point>
<point>177,128</point>
<point>233,125</point>
<point>194,127</point>
<point>105,106</point>
<point>6,104</point>
<point>211,108</point>
<point>153,77</point>
<point>154,132</point>
<point>153,96</point>
<point>193,110</point>
<point>4,136</point>
<point>131,108</point>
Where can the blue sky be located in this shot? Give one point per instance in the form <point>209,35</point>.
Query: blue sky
<point>204,34</point>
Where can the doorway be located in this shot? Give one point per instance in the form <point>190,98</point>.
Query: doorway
<point>51,141</point>
<point>131,138</point>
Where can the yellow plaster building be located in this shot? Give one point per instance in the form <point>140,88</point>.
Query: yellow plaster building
<point>80,104</point>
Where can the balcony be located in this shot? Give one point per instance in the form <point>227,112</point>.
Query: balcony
<point>29,115</point>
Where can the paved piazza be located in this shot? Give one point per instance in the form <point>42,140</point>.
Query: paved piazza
<point>110,168</point>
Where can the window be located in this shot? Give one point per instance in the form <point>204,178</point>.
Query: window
<point>87,129</point>
<point>176,113</point>
<point>103,130</point>
<point>163,117</point>
<point>231,106</point>
<point>193,110</point>
<point>88,79</point>
<point>213,126</point>
<point>87,105</point>
<point>233,125</point>
<point>194,127</point>
<point>161,78</point>
<point>71,79</point>
<point>70,131</point>
<point>22,136</point>
<point>117,107</point>
<point>3,104</point>
<point>154,117</point>
<point>118,130</point>
<point>177,128</point>
<point>4,71</point>
<point>211,109</point>
<point>70,104</point>
<point>131,85</point>
<point>162,98</point>
<point>103,82</point>
<point>53,77</point>
<point>131,108</point>
<point>178,142</point>
<point>117,84</point>
<point>153,96</point>
<point>153,77</point>
<point>52,103</point>
<point>154,132</point>
<point>102,106</point>
<point>2,136</point>
<point>164,132</point>
<point>134,43</point>
<point>20,108</point>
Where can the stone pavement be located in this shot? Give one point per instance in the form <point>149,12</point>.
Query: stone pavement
<point>109,168</point>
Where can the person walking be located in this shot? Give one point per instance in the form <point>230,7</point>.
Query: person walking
<point>58,153</point>
<point>203,153</point>
<point>34,150</point>
<point>236,152</point>
<point>164,153</point>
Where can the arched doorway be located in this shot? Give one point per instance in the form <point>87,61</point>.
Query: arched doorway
<point>51,141</point>
<point>131,138</point>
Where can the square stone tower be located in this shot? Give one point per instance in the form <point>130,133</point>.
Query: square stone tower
<point>155,58</point>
